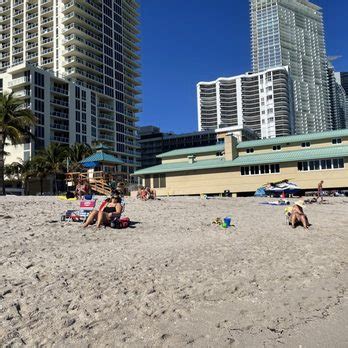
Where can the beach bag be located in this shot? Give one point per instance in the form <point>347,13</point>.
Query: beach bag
<point>120,223</point>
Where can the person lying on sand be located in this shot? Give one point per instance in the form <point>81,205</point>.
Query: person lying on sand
<point>297,216</point>
<point>110,209</point>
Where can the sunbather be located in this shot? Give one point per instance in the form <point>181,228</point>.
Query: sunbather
<point>108,211</point>
<point>297,216</point>
<point>81,189</point>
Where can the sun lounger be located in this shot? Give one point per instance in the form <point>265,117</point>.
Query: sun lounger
<point>86,206</point>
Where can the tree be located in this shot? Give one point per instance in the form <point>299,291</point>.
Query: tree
<point>77,153</point>
<point>53,156</point>
<point>40,169</point>
<point>15,124</point>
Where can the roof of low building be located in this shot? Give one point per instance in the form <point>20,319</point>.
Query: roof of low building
<point>102,157</point>
<point>293,139</point>
<point>192,151</point>
<point>333,151</point>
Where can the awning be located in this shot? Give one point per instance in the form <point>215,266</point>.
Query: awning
<point>90,164</point>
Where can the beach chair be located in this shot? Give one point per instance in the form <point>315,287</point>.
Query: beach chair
<point>86,206</point>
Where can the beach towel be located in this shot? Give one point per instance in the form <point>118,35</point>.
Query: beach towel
<point>276,203</point>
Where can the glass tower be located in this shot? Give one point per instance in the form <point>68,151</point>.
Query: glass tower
<point>291,33</point>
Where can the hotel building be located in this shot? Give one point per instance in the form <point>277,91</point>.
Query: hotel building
<point>76,65</point>
<point>243,167</point>
<point>261,102</point>
<point>291,33</point>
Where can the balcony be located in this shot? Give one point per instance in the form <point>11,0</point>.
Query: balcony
<point>46,10</point>
<point>106,116</point>
<point>20,81</point>
<point>47,41</point>
<point>46,51</point>
<point>107,127</point>
<point>31,6</point>
<point>60,114</point>
<point>22,94</point>
<point>59,90</point>
<point>32,16</point>
<point>32,36</point>
<point>60,102</point>
<point>60,139</point>
<point>105,106</point>
<point>106,137</point>
<point>60,126</point>
<point>47,62</point>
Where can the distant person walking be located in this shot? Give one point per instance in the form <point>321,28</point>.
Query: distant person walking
<point>320,191</point>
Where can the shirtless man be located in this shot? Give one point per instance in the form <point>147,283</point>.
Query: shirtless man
<point>320,191</point>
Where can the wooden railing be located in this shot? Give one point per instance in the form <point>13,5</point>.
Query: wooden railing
<point>96,181</point>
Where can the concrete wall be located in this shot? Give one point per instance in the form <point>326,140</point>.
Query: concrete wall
<point>218,180</point>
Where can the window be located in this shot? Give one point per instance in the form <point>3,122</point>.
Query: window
<point>336,163</point>
<point>306,144</point>
<point>39,93</point>
<point>261,169</point>
<point>269,97</point>
<point>336,141</point>
<point>39,79</point>
<point>250,150</point>
<point>156,181</point>
<point>277,147</point>
<point>162,181</point>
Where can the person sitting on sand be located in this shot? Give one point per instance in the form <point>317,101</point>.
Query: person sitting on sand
<point>81,189</point>
<point>297,216</point>
<point>151,193</point>
<point>110,209</point>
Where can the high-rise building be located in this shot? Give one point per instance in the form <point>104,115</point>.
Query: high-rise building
<point>338,102</point>
<point>76,63</point>
<point>291,33</point>
<point>261,102</point>
<point>342,79</point>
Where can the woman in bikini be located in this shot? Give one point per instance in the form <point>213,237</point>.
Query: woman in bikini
<point>110,209</point>
<point>297,216</point>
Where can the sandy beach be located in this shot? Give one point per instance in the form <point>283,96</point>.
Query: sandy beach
<point>174,279</point>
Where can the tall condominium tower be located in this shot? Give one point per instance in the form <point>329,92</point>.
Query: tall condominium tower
<point>75,62</point>
<point>291,33</point>
<point>261,102</point>
<point>341,79</point>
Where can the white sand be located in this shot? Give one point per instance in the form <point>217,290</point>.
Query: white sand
<point>174,279</point>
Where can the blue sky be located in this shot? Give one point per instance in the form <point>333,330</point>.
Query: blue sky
<point>187,41</point>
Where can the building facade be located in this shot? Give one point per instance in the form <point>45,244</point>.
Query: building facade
<point>89,91</point>
<point>291,33</point>
<point>338,102</point>
<point>262,102</point>
<point>243,167</point>
<point>342,80</point>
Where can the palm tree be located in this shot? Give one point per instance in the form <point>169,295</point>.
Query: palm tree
<point>15,123</point>
<point>40,169</point>
<point>26,173</point>
<point>53,156</point>
<point>77,153</point>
